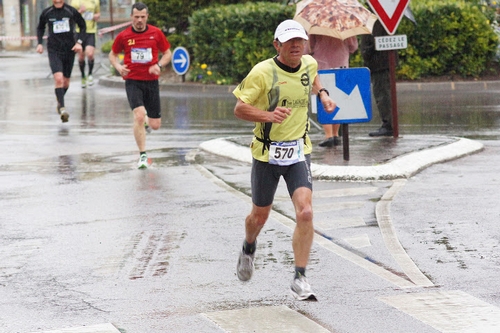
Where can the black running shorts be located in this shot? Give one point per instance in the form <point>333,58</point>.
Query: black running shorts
<point>265,178</point>
<point>62,62</point>
<point>144,93</point>
<point>88,40</point>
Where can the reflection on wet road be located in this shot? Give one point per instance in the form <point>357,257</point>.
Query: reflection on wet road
<point>87,238</point>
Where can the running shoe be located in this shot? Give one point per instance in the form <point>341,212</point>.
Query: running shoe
<point>143,162</point>
<point>301,289</point>
<point>64,115</point>
<point>245,266</point>
<point>90,80</point>
<point>84,82</point>
<point>58,108</point>
<point>146,126</point>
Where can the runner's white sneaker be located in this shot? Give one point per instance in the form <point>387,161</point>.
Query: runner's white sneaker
<point>64,115</point>
<point>143,162</point>
<point>301,289</point>
<point>84,82</point>
<point>90,80</point>
<point>245,266</point>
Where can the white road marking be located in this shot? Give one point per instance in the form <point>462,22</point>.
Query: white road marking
<point>359,241</point>
<point>449,311</point>
<point>334,206</point>
<point>101,328</point>
<point>344,192</point>
<point>276,319</point>
<point>340,222</point>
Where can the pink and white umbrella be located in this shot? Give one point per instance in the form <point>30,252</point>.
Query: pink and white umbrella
<point>336,18</point>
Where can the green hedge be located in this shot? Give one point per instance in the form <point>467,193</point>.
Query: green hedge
<point>226,41</point>
<point>173,15</point>
<point>231,39</point>
<point>451,37</point>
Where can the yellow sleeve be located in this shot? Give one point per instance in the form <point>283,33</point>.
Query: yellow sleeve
<point>76,4</point>
<point>251,89</point>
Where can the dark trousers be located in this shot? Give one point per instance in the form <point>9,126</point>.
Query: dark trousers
<point>381,86</point>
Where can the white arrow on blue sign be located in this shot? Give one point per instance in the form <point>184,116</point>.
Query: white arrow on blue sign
<point>180,60</point>
<point>350,88</point>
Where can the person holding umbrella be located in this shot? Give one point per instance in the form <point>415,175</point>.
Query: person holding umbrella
<point>331,52</point>
<point>342,21</point>
<point>275,95</point>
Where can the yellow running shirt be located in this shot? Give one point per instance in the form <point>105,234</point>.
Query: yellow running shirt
<point>91,7</point>
<point>268,86</point>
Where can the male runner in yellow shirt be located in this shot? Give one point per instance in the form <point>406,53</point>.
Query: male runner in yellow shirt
<point>275,95</point>
<point>91,12</point>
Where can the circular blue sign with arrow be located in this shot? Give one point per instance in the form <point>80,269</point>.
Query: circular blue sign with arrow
<point>180,60</point>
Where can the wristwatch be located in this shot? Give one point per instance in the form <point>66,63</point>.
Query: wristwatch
<point>79,41</point>
<point>321,90</point>
<point>159,65</point>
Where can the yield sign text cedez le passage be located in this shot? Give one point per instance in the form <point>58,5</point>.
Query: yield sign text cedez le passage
<point>394,42</point>
<point>389,12</point>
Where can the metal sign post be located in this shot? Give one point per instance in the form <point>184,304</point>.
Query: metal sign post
<point>392,44</point>
<point>394,98</point>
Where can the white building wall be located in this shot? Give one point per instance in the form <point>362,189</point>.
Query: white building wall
<point>12,24</point>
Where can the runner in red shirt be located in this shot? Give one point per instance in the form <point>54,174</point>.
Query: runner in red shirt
<point>141,43</point>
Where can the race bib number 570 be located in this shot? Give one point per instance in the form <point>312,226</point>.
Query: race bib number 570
<point>286,152</point>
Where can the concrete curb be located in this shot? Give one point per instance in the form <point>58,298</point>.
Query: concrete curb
<point>400,167</point>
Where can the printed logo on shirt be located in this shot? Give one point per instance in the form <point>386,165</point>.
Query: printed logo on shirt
<point>288,102</point>
<point>304,79</point>
<point>284,101</point>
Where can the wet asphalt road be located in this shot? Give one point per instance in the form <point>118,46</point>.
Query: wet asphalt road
<point>88,239</point>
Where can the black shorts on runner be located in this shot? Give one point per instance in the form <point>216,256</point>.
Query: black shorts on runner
<point>87,40</point>
<point>62,62</point>
<point>144,93</point>
<point>265,178</point>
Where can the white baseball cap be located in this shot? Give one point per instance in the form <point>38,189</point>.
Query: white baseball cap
<point>289,29</point>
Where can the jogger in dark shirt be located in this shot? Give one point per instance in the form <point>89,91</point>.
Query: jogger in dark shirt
<point>60,19</point>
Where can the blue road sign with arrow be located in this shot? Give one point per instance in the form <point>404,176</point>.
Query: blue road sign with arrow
<point>350,88</point>
<point>180,60</point>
